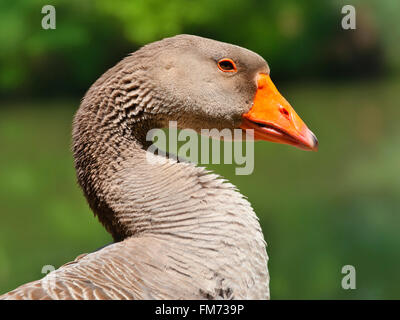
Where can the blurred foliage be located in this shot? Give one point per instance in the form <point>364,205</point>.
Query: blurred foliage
<point>299,39</point>
<point>319,211</point>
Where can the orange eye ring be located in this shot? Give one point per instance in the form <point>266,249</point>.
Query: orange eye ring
<point>227,65</point>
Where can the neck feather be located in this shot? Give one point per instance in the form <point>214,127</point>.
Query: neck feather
<point>132,196</point>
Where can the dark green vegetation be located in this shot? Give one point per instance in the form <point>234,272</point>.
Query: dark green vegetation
<point>300,39</point>
<point>319,211</point>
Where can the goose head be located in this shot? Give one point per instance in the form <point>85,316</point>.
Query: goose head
<point>209,84</point>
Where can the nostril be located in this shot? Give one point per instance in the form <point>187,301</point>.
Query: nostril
<point>284,111</point>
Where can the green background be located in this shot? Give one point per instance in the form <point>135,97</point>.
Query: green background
<point>319,211</point>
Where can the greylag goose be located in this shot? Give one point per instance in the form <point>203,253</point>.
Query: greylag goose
<point>180,232</point>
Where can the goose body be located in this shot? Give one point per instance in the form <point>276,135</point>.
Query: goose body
<point>180,232</point>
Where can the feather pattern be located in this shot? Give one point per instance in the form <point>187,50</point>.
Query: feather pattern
<point>180,231</point>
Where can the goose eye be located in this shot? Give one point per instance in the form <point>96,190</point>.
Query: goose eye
<point>227,65</point>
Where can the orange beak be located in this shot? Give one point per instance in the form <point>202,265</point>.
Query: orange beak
<point>273,118</point>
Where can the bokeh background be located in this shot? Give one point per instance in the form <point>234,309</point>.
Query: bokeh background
<point>319,211</point>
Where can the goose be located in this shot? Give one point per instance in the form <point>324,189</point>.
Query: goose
<point>180,231</point>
